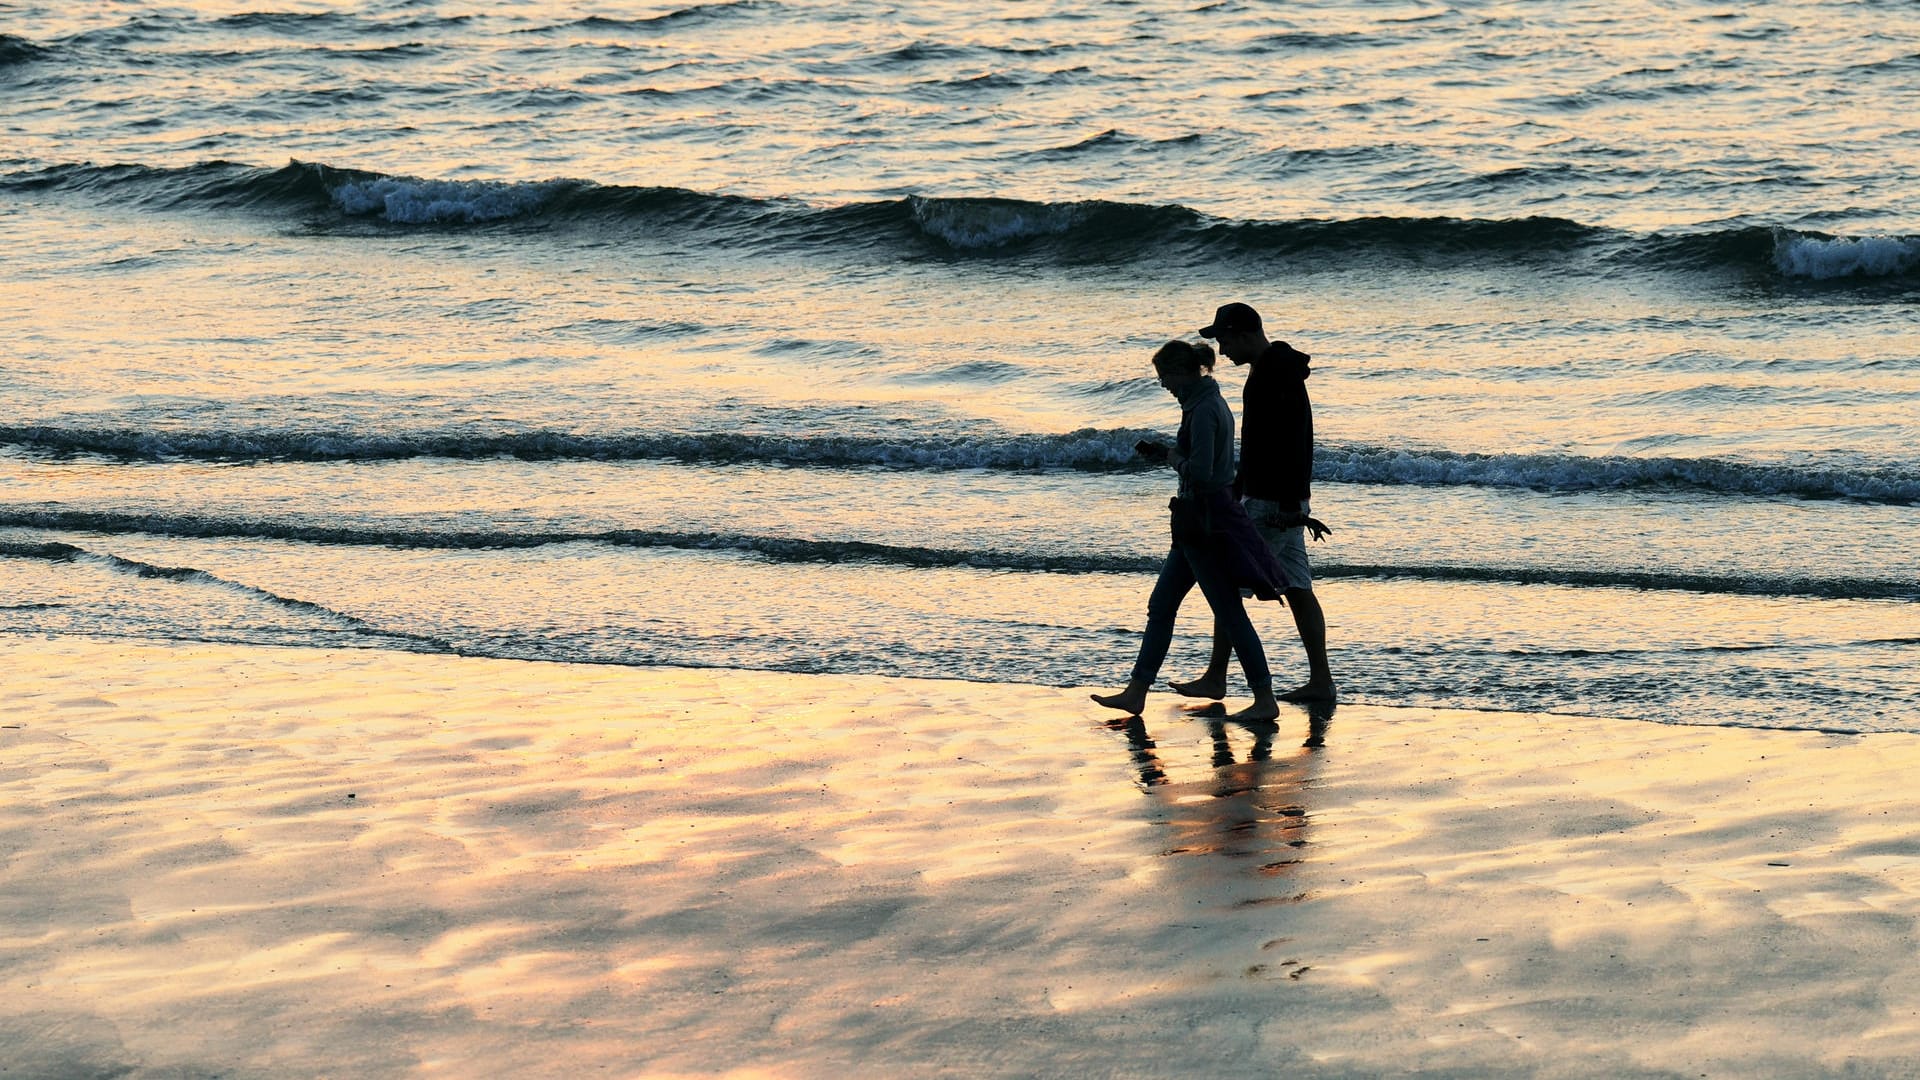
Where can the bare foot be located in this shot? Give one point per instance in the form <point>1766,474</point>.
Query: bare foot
<point>1206,686</point>
<point>1130,701</point>
<point>1313,691</point>
<point>1262,709</point>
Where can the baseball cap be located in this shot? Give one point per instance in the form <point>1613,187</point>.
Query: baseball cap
<point>1229,318</point>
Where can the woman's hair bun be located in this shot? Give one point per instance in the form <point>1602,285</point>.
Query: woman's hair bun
<point>1183,357</point>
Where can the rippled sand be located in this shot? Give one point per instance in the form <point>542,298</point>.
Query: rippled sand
<point>255,862</point>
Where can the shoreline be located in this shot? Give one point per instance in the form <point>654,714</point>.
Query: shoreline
<point>253,860</point>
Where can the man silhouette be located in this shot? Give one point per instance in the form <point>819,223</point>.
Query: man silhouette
<point>1275,479</point>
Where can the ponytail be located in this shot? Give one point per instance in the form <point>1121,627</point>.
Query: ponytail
<point>1178,357</point>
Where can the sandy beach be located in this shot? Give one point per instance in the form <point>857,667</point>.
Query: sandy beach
<point>286,862</point>
<point>435,436</point>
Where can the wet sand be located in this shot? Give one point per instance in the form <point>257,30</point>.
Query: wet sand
<point>242,862</point>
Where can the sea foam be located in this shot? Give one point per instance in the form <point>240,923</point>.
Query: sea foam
<point>1083,450</point>
<point>425,202</point>
<point>1825,259</point>
<point>974,224</point>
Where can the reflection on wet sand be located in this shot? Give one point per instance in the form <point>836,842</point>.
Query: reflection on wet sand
<point>278,862</point>
<point>1231,801</point>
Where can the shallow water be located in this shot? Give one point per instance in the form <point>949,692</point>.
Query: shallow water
<point>814,337</point>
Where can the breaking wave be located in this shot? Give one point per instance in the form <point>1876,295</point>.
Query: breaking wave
<point>1085,450</point>
<point>323,196</point>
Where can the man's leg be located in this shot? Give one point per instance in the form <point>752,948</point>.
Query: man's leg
<point>1230,613</point>
<point>1285,544</point>
<point>1212,682</point>
<point>1312,624</point>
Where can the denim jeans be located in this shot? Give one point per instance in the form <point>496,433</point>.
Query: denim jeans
<point>1187,565</point>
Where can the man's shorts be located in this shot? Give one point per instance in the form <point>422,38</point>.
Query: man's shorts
<point>1289,545</point>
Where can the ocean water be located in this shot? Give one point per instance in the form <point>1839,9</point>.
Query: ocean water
<point>813,335</point>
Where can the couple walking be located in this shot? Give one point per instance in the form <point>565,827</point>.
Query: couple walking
<point>1236,528</point>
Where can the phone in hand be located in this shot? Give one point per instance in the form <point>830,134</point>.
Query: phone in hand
<point>1151,450</point>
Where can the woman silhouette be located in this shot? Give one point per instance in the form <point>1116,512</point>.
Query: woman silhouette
<point>1214,544</point>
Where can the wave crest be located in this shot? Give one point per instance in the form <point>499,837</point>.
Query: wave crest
<point>1560,472</point>
<point>427,202</point>
<point>1828,258</point>
<point>1083,231</point>
<point>1084,450</point>
<point>976,224</point>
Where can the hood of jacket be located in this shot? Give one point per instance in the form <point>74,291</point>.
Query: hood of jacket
<point>1283,359</point>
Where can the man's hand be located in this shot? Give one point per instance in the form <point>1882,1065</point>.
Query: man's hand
<point>1314,526</point>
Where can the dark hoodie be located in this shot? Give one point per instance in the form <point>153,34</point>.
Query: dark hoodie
<point>1276,429</point>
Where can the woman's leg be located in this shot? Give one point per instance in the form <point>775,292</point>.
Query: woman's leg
<point>1163,608</point>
